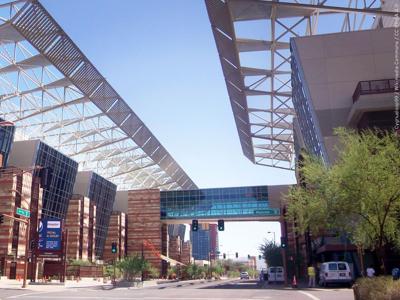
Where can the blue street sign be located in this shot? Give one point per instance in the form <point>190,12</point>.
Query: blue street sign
<point>50,235</point>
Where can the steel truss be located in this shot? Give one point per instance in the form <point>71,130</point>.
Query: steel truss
<point>257,69</point>
<point>52,92</point>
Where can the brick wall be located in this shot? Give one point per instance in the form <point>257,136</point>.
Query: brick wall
<point>116,233</point>
<point>15,191</point>
<point>144,223</point>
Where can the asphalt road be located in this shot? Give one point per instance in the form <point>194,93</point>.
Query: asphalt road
<point>229,289</point>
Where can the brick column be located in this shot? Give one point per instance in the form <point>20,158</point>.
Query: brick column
<point>186,255</point>
<point>144,224</point>
<point>115,233</point>
<point>73,225</point>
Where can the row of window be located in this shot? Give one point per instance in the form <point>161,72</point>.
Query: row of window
<point>102,192</point>
<point>6,139</point>
<point>64,170</point>
<point>303,111</point>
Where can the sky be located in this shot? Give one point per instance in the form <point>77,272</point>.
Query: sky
<point>161,57</point>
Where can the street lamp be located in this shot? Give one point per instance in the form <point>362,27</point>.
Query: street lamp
<point>274,235</point>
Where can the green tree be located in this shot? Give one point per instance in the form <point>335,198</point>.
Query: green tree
<point>218,270</point>
<point>133,266</point>
<point>271,253</point>
<point>359,195</point>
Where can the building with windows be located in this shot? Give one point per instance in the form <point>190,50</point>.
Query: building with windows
<point>6,139</point>
<point>56,196</point>
<point>200,243</point>
<point>150,211</point>
<point>177,230</point>
<point>102,193</point>
<point>339,80</point>
<point>16,191</point>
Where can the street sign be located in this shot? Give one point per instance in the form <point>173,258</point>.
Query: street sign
<point>50,235</point>
<point>23,212</point>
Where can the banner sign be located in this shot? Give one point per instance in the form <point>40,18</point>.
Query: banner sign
<point>50,235</point>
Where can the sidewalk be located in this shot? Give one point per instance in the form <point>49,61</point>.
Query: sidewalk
<point>56,285</point>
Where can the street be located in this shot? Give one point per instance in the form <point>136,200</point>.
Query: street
<point>191,290</point>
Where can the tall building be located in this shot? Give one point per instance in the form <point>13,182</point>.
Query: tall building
<point>177,230</point>
<point>339,80</point>
<point>58,192</point>
<point>6,139</point>
<point>205,242</point>
<point>102,193</point>
<point>200,244</point>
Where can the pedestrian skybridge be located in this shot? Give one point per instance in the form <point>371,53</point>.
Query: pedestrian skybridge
<point>229,204</point>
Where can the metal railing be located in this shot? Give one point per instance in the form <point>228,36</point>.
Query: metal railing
<point>373,87</point>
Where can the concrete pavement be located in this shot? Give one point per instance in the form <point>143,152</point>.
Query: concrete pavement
<point>188,290</point>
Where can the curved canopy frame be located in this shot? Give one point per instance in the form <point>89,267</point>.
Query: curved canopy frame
<point>252,39</point>
<point>52,92</point>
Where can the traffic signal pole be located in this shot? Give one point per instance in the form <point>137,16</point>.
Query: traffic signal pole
<point>28,229</point>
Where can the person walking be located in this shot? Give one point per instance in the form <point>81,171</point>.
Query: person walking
<point>370,272</point>
<point>311,276</point>
<point>396,273</point>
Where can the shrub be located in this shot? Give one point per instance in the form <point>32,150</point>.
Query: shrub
<point>377,288</point>
<point>233,274</point>
<point>80,262</point>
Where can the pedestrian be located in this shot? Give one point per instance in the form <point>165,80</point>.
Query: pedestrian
<point>370,272</point>
<point>311,276</point>
<point>396,273</point>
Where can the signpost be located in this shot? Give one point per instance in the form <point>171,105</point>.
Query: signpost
<point>23,212</point>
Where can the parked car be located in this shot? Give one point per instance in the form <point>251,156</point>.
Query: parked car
<point>275,274</point>
<point>244,275</point>
<point>335,272</point>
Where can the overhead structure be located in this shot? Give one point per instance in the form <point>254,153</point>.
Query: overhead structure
<point>252,39</point>
<point>52,92</point>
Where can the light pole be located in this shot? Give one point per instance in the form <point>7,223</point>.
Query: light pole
<point>273,232</point>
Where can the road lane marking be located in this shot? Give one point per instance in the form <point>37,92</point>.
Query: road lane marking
<point>29,294</point>
<point>309,295</point>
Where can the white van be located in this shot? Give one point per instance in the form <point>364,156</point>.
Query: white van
<point>275,274</point>
<point>335,272</point>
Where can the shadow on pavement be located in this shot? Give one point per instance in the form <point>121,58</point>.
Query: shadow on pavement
<point>242,284</point>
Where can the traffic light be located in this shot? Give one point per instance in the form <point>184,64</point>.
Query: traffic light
<point>237,255</point>
<point>283,242</point>
<point>114,247</point>
<point>248,256</point>
<point>195,225</point>
<point>259,257</point>
<point>224,255</point>
<point>33,245</point>
<point>221,225</point>
<point>1,219</point>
